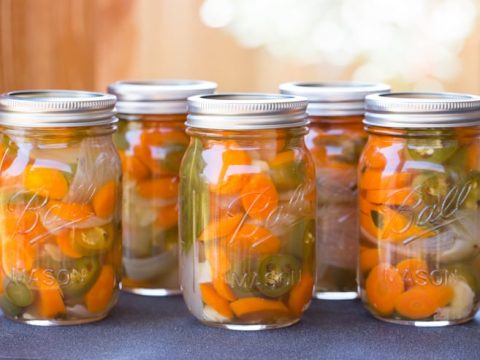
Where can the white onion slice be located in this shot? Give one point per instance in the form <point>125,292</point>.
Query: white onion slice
<point>151,267</point>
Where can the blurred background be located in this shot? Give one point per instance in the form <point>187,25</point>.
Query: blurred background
<point>244,45</point>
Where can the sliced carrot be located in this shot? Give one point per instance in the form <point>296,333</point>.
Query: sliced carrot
<point>49,302</point>
<point>215,301</point>
<point>71,211</point>
<point>259,196</point>
<point>301,294</point>
<point>401,197</point>
<point>159,137</point>
<point>217,258</point>
<point>258,309</point>
<point>99,297</point>
<point>223,289</point>
<point>377,180</point>
<point>386,224</point>
<point>45,180</point>
<point>64,242</point>
<point>25,223</point>
<point>222,227</point>
<point>104,200</point>
<point>133,168</point>
<point>383,286</point>
<point>254,239</point>
<point>167,217</point>
<point>233,176</point>
<point>17,255</point>
<point>143,154</point>
<point>414,272</point>
<point>159,188</point>
<point>421,302</point>
<point>369,258</point>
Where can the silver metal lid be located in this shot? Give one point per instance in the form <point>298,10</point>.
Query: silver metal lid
<point>56,108</point>
<point>246,111</point>
<point>338,98</point>
<point>157,96</point>
<point>422,110</point>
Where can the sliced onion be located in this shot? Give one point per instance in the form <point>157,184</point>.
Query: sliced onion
<point>148,268</point>
<point>95,168</point>
<point>190,282</point>
<point>209,314</point>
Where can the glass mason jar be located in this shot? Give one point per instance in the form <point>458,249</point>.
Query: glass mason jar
<point>247,210</point>
<point>151,141</point>
<point>335,140</point>
<point>60,241</point>
<point>419,183</point>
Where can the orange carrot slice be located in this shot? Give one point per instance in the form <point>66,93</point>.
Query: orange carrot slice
<point>17,255</point>
<point>421,302</point>
<point>377,180</point>
<point>283,158</point>
<point>167,217</point>
<point>71,211</point>
<point>99,297</point>
<point>414,272</point>
<point>221,227</point>
<point>104,199</point>
<point>401,197</point>
<point>259,196</point>
<point>64,242</point>
<point>133,168</point>
<point>215,301</point>
<point>49,302</point>
<point>258,309</point>
<point>369,258</point>
<point>223,289</point>
<point>233,176</point>
<point>383,286</point>
<point>45,180</point>
<point>160,188</point>
<point>254,239</point>
<point>217,258</point>
<point>301,294</point>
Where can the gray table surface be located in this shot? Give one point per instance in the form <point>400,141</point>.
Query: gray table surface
<point>161,328</point>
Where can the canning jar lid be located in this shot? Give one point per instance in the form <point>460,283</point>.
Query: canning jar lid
<point>422,110</point>
<point>246,111</point>
<point>56,108</point>
<point>337,98</point>
<point>157,96</point>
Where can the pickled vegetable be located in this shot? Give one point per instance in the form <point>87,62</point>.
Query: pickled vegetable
<point>419,222</point>
<point>247,229</point>
<point>336,144</point>
<point>151,150</point>
<point>59,225</point>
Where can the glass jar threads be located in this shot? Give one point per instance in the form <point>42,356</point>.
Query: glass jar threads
<point>151,141</point>
<point>247,211</point>
<point>419,202</point>
<point>60,241</point>
<point>335,140</point>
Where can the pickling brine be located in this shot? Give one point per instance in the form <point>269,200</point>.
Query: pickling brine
<point>247,224</point>
<point>419,212</point>
<point>60,240</point>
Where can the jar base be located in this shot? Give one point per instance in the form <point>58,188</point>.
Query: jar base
<point>152,292</point>
<point>250,327</point>
<point>45,322</point>
<point>336,295</point>
<point>433,323</point>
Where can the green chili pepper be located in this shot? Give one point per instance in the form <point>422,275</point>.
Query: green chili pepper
<point>277,274</point>
<point>432,149</point>
<point>82,274</point>
<point>93,240</point>
<point>19,294</point>
<point>9,308</point>
<point>242,278</point>
<point>288,176</point>
<point>431,186</point>
<point>173,156</point>
<point>194,196</point>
